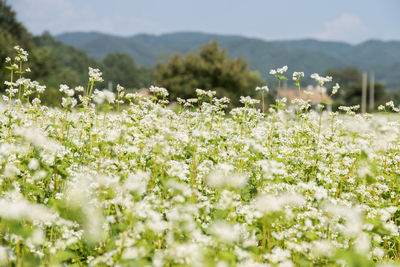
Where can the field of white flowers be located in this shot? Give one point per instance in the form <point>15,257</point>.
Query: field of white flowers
<point>115,180</point>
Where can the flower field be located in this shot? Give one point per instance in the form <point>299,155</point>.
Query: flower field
<point>120,180</point>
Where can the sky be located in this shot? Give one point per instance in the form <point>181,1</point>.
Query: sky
<point>351,21</point>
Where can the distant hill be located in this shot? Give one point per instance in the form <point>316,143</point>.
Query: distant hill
<point>306,55</point>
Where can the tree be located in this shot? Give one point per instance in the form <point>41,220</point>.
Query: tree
<point>121,69</point>
<point>210,69</point>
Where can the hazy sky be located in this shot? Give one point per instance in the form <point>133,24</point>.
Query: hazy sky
<point>342,20</point>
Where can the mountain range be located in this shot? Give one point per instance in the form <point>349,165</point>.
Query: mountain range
<point>308,55</point>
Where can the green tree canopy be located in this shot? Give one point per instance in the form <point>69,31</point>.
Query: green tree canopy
<point>210,69</point>
<point>121,69</point>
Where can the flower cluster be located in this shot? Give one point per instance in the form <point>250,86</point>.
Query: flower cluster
<point>278,70</point>
<point>321,80</point>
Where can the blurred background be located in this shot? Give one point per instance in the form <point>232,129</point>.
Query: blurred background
<point>226,45</point>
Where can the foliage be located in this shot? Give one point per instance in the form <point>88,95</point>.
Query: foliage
<point>120,69</point>
<point>309,55</point>
<point>149,186</point>
<point>210,69</point>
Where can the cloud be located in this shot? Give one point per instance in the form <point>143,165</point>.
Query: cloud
<point>347,27</point>
<point>59,16</point>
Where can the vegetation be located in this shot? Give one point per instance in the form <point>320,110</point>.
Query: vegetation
<point>123,180</point>
<point>210,69</point>
<point>382,57</point>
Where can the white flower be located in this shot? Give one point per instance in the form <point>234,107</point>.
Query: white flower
<point>263,88</point>
<point>102,96</point>
<point>79,89</point>
<point>33,164</point>
<point>120,88</point>
<point>378,252</point>
<point>320,80</point>
<point>224,231</point>
<point>282,70</point>
<point>159,91</point>
<point>248,100</point>
<point>297,75</point>
<point>224,176</point>
<point>137,182</point>
<point>335,88</point>
<point>11,170</point>
<point>63,88</point>
<point>95,75</point>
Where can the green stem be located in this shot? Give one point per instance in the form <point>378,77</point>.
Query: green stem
<point>11,88</point>
<point>263,106</point>
<point>279,87</point>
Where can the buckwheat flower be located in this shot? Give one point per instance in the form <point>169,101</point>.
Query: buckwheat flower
<point>335,88</point>
<point>297,75</point>
<point>95,75</point>
<point>63,88</point>
<point>278,255</point>
<point>36,102</point>
<point>23,209</point>
<point>37,237</point>
<point>131,95</point>
<point>263,88</point>
<point>272,72</point>
<point>248,100</point>
<point>137,182</point>
<point>3,255</point>
<point>27,70</point>
<point>378,252</point>
<point>224,176</point>
<point>200,92</point>
<point>33,164</point>
<point>79,89</point>
<point>101,96</point>
<point>120,88</point>
<point>323,248</point>
<point>11,171</point>
<point>8,59</point>
<point>321,80</point>
<point>211,93</point>
<point>134,253</point>
<point>40,88</point>
<point>224,232</point>
<point>109,96</point>
<point>159,91</point>
<point>282,70</point>
<point>381,107</point>
<point>390,104</point>
<point>70,92</point>
<point>362,243</point>
<point>266,203</point>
